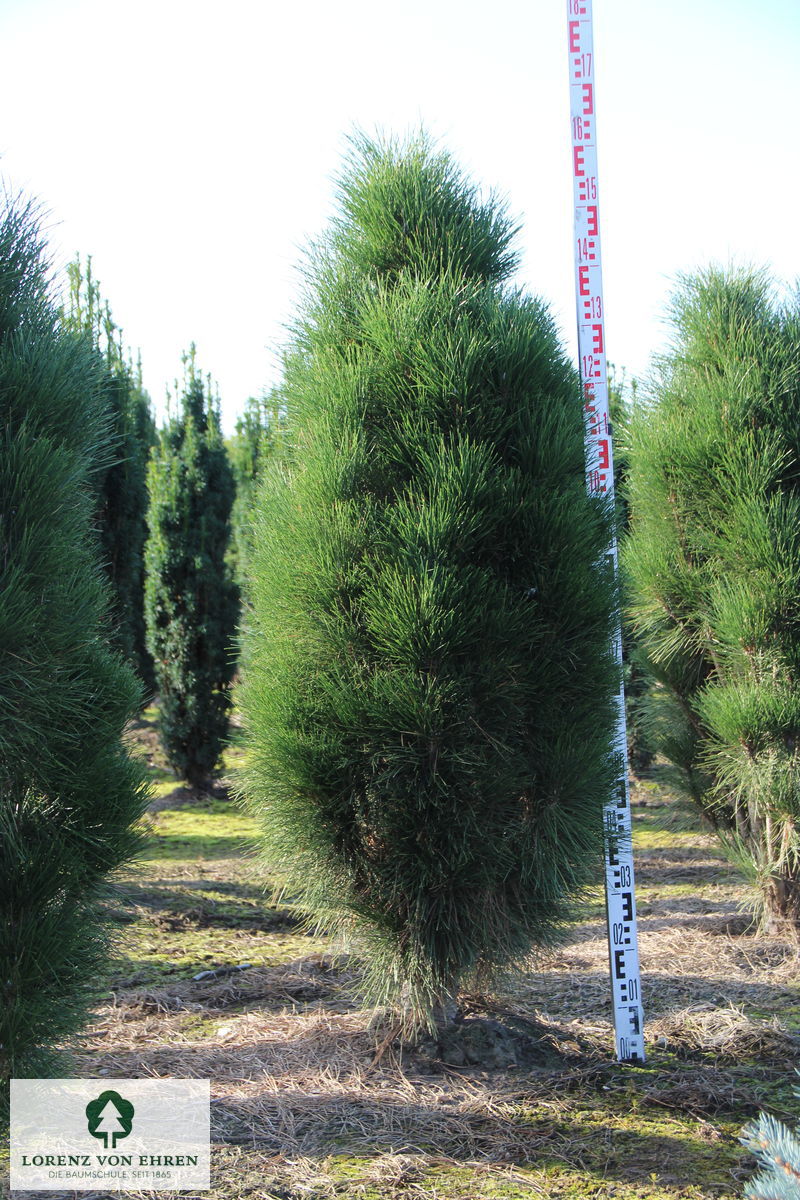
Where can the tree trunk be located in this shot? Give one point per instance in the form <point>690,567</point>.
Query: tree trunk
<point>782,904</point>
<point>445,1011</point>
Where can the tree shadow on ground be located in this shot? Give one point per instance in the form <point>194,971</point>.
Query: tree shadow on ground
<point>169,892</point>
<point>191,847</point>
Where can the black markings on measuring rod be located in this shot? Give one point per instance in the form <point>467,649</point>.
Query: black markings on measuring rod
<point>622,933</point>
<point>629,990</point>
<point>617,836</point>
<point>622,789</point>
<point>621,877</point>
<point>627,1051</point>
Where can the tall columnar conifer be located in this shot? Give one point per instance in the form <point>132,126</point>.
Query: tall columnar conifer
<point>428,687</point>
<point>191,599</point>
<point>122,499</point>
<point>259,432</point>
<point>69,793</point>
<point>621,402</point>
<point>714,567</point>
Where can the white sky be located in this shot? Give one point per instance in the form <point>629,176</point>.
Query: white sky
<point>189,147</point>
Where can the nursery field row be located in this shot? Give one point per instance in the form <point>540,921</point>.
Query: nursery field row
<point>313,1097</point>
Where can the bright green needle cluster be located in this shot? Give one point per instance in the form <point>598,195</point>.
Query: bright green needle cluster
<point>714,567</point>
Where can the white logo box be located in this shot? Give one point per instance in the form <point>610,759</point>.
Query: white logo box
<point>123,1135</point>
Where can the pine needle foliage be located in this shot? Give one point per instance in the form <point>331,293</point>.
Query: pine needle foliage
<point>428,689</point>
<point>714,567</point>
<point>191,600</point>
<point>621,402</point>
<point>122,488</point>
<point>777,1149</point>
<point>69,792</point>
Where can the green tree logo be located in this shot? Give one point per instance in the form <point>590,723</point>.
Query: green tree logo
<point>109,1116</point>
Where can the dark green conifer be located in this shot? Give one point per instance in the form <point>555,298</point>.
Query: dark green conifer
<point>428,692</point>
<point>191,599</point>
<point>714,568</point>
<point>69,793</point>
<point>122,500</point>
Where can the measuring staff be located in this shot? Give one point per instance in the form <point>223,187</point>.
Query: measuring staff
<point>618,851</point>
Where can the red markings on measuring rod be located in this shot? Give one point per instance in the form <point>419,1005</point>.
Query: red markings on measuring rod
<point>620,895</point>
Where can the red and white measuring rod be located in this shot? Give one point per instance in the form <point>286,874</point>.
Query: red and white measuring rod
<point>623,945</point>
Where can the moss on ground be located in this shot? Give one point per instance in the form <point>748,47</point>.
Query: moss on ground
<point>652,832</point>
<point>208,828</point>
<point>359,1176</point>
<point>146,957</point>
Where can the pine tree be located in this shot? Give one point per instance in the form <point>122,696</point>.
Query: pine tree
<point>191,600</point>
<point>714,565</point>
<point>122,499</point>
<point>428,689</point>
<point>777,1149</point>
<point>621,403</point>
<point>259,432</point>
<point>69,793</point>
